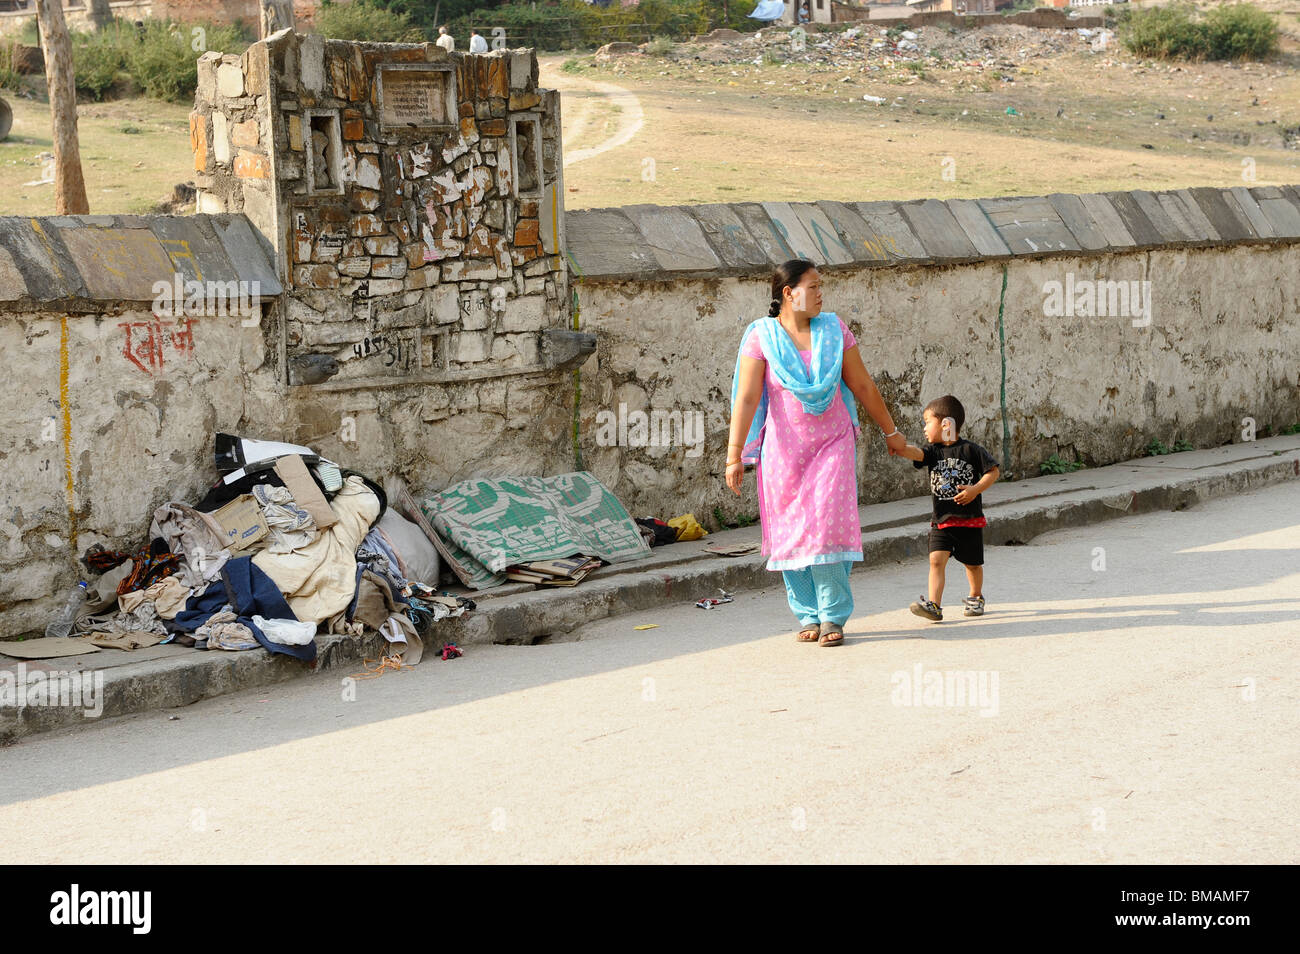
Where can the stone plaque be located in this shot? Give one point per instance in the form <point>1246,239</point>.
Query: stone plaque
<point>414,97</point>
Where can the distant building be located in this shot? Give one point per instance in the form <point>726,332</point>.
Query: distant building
<point>807,11</point>
<point>959,7</point>
<point>887,10</point>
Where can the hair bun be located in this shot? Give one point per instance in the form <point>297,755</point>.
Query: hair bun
<point>774,309</point>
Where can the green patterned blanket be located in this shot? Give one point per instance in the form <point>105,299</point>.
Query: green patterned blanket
<point>489,524</point>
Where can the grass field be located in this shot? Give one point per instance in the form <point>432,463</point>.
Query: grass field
<point>1082,122</point>
<point>725,133</point>
<point>132,153</point>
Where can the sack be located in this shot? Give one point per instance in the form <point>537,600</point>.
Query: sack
<point>412,547</point>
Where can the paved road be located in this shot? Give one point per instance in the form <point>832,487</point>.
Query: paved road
<point>1141,713</point>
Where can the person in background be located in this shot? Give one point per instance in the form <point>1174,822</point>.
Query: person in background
<point>476,43</point>
<point>446,40</point>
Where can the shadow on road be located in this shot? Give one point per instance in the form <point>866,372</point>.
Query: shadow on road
<point>1181,568</point>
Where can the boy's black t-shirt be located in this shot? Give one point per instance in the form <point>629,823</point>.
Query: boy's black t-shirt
<point>964,462</point>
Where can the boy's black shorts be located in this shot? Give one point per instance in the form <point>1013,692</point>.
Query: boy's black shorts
<point>965,543</point>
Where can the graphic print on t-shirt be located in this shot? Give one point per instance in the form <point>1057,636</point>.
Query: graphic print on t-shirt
<point>947,473</point>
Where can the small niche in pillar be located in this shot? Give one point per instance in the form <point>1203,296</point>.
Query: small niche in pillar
<point>526,154</point>
<point>324,149</point>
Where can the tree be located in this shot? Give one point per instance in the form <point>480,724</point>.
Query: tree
<point>69,185</point>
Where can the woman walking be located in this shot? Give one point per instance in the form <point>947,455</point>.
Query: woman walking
<point>793,414</point>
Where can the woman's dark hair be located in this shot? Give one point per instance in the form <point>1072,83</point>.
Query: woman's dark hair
<point>948,406</point>
<point>787,273</point>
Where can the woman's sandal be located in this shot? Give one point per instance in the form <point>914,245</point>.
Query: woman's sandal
<point>831,634</point>
<point>809,634</point>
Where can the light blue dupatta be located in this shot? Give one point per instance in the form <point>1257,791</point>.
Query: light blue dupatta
<point>814,386</point>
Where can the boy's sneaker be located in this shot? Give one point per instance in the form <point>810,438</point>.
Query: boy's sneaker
<point>923,607</point>
<point>974,605</point>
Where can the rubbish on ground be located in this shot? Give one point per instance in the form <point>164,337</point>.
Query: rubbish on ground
<point>566,572</point>
<point>380,666</point>
<point>877,100</point>
<point>290,526</point>
<point>302,486</point>
<point>732,549</point>
<point>647,626</point>
<point>656,532</point>
<point>242,522</point>
<point>687,527</point>
<point>318,551</point>
<point>993,47</point>
<point>1011,111</point>
<point>61,625</point>
<point>451,651</point>
<point>716,601</point>
<point>46,647</point>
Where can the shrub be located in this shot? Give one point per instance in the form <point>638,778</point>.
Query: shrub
<point>1240,31</point>
<point>1234,31</point>
<point>161,61</point>
<point>1167,32</point>
<point>161,56</point>
<point>97,58</point>
<point>9,75</point>
<point>364,20</point>
<point>660,45</point>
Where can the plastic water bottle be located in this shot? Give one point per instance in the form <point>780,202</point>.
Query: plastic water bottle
<point>61,625</point>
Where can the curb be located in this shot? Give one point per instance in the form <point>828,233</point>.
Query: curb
<point>537,616</point>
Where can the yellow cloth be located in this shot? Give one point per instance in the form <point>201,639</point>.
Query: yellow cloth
<point>687,527</point>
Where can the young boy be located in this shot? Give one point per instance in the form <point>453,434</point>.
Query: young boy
<point>959,472</point>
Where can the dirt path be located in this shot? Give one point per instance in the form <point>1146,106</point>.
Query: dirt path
<point>590,109</point>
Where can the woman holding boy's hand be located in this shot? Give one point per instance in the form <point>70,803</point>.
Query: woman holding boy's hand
<point>798,373</point>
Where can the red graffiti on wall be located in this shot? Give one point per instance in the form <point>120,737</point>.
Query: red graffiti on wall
<point>145,342</point>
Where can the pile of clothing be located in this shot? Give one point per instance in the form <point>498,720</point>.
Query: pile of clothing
<point>286,544</point>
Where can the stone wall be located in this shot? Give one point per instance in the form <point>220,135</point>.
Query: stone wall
<point>417,324</point>
<point>920,284</point>
<point>442,239</point>
<point>112,396</point>
<point>416,312</point>
<point>1042,18</point>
